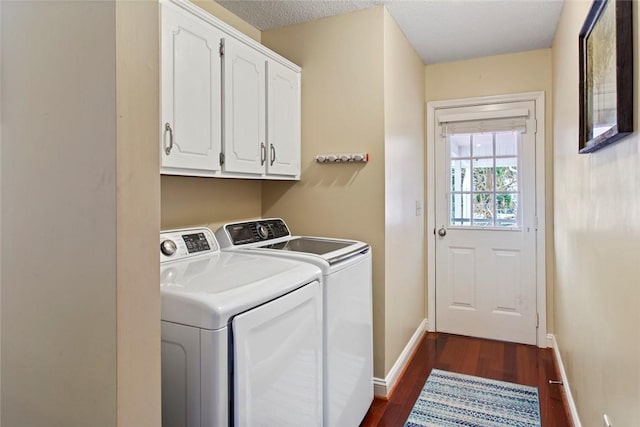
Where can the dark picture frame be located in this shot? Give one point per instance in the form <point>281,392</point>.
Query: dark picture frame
<point>606,74</point>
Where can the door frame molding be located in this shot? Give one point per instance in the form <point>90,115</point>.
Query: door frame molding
<point>541,290</point>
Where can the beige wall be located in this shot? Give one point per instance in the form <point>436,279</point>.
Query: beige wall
<point>497,75</point>
<point>210,202</point>
<point>80,189</point>
<point>1,121</point>
<point>597,237</point>
<point>138,214</point>
<point>58,214</point>
<point>404,125</point>
<point>342,111</point>
<point>220,12</point>
<point>190,202</point>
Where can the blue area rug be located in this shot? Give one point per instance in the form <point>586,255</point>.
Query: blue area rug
<point>450,399</point>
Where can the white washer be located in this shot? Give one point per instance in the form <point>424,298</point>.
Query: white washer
<point>347,308</point>
<point>241,336</point>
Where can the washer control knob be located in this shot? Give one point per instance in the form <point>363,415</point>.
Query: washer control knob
<point>263,231</point>
<point>168,247</point>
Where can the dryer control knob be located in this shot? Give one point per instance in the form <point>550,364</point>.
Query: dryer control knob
<point>263,231</point>
<point>168,247</point>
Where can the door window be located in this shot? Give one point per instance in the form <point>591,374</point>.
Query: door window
<point>484,179</point>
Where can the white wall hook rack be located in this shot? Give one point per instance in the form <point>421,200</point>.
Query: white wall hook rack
<point>343,158</point>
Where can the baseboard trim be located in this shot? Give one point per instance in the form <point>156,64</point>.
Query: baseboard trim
<point>382,387</point>
<point>379,388</point>
<point>573,411</point>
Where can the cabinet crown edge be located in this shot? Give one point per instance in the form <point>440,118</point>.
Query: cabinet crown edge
<point>228,29</point>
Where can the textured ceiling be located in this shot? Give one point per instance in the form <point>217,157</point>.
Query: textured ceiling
<point>439,30</point>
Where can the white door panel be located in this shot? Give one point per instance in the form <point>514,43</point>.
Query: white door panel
<point>349,342</point>
<point>462,266</point>
<point>278,361</point>
<point>244,113</point>
<point>283,120</point>
<point>485,214</point>
<point>191,92</point>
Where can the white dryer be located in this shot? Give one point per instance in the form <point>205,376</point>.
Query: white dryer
<point>241,336</point>
<point>347,307</point>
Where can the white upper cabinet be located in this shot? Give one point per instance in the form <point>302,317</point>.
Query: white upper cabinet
<point>244,108</point>
<point>191,93</point>
<point>230,106</point>
<point>283,120</point>
<point>261,124</point>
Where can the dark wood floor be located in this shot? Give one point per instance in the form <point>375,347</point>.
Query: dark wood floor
<point>517,363</point>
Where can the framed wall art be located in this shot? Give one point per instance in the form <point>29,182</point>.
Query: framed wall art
<point>606,74</point>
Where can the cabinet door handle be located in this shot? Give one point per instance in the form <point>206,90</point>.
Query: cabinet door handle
<point>263,153</point>
<point>167,128</point>
<point>273,154</point>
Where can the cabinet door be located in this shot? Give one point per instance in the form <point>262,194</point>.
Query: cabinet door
<point>191,94</point>
<point>244,108</point>
<point>283,120</point>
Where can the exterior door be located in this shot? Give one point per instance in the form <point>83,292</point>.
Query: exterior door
<point>244,142</point>
<point>283,120</point>
<point>485,221</point>
<point>191,93</point>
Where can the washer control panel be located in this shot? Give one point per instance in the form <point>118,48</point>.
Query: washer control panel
<point>256,231</point>
<point>196,242</point>
<point>179,244</point>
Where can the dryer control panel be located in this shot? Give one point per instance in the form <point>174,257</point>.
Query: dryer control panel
<point>243,233</point>
<point>180,244</point>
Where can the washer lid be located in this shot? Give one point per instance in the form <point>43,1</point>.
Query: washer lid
<point>207,291</point>
<point>332,251</point>
<point>310,245</point>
